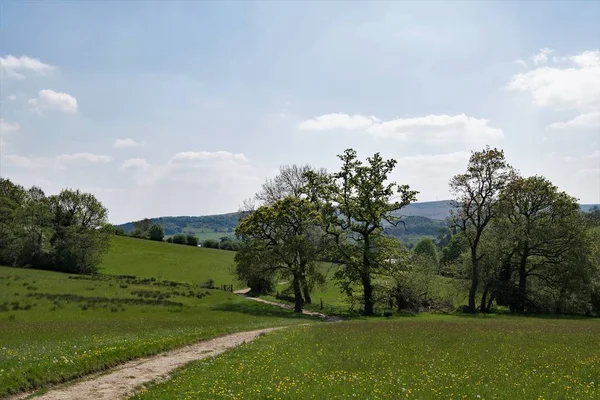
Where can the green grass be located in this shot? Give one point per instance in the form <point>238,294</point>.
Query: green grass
<point>175,262</point>
<point>425,357</point>
<point>53,328</point>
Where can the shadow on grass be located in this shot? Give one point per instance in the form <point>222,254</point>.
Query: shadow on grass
<point>261,309</point>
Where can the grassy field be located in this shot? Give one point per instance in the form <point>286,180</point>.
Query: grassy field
<point>425,357</point>
<point>149,259</point>
<point>55,327</point>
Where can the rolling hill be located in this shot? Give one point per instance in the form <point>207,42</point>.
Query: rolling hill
<point>422,219</point>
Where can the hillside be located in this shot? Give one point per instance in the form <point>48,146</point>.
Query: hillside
<point>166,261</point>
<point>215,226</point>
<point>423,218</point>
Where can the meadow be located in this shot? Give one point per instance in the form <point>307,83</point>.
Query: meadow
<point>424,357</point>
<point>167,261</point>
<point>55,327</point>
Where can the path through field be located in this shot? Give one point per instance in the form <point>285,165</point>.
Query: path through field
<point>327,318</point>
<point>123,380</point>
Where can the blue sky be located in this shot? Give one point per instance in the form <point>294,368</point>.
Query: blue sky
<point>184,108</point>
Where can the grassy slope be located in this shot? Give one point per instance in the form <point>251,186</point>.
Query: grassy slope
<point>45,341</point>
<point>422,357</point>
<point>149,259</point>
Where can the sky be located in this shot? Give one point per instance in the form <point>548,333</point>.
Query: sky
<point>185,108</point>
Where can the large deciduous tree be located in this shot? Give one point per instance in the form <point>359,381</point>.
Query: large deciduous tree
<point>476,197</point>
<point>81,232</point>
<point>291,181</point>
<point>284,239</point>
<point>544,236</point>
<point>355,202</point>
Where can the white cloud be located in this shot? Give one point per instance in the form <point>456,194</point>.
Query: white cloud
<point>50,100</point>
<point>12,66</point>
<point>52,163</point>
<point>8,127</point>
<point>589,172</point>
<point>461,157</point>
<point>127,143</point>
<point>88,157</point>
<point>206,155</point>
<point>135,164</point>
<point>584,121</point>
<point>593,155</point>
<point>337,121</point>
<point>12,97</point>
<point>542,56</point>
<point>521,62</point>
<point>433,129</point>
<point>570,87</point>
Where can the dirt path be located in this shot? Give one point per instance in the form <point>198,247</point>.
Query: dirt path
<point>328,318</point>
<point>123,380</point>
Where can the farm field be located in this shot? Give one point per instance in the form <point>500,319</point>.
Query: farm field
<point>424,357</point>
<point>55,327</point>
<point>167,261</point>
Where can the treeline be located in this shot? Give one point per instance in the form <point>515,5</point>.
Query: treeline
<point>515,243</point>
<point>175,225</point>
<point>415,225</point>
<point>66,232</point>
<point>146,229</point>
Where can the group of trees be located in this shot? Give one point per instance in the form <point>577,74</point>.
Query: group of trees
<point>307,215</point>
<point>529,247</point>
<point>180,238</point>
<point>145,229</point>
<point>516,242</point>
<point>224,243</point>
<point>66,232</point>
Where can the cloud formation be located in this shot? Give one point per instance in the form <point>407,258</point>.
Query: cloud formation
<point>127,143</point>
<point>584,121</point>
<point>8,127</point>
<point>431,129</point>
<point>48,99</point>
<point>35,163</point>
<point>13,67</point>
<point>570,85</point>
<point>135,164</point>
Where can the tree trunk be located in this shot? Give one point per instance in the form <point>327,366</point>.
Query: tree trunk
<point>297,294</point>
<point>306,292</point>
<point>483,307</point>
<point>490,302</point>
<point>474,281</point>
<point>368,294</point>
<point>366,277</point>
<point>522,294</point>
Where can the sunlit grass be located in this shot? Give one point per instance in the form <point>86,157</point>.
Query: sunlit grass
<point>150,259</point>
<point>95,324</point>
<point>416,357</point>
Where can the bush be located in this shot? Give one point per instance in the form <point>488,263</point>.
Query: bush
<point>192,240</point>
<point>180,238</point>
<point>157,233</point>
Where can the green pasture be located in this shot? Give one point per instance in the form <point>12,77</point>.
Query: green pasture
<point>424,357</point>
<point>55,328</point>
<point>168,261</point>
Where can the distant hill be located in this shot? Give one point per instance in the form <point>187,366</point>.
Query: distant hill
<point>420,219</point>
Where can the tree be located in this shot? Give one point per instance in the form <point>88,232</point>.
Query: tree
<point>426,248</point>
<point>543,232</point>
<point>192,240</point>
<point>283,239</point>
<point>354,203</point>
<point>180,238</point>
<point>157,233</point>
<point>81,232</point>
<point>143,225</point>
<point>291,181</point>
<point>476,195</point>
